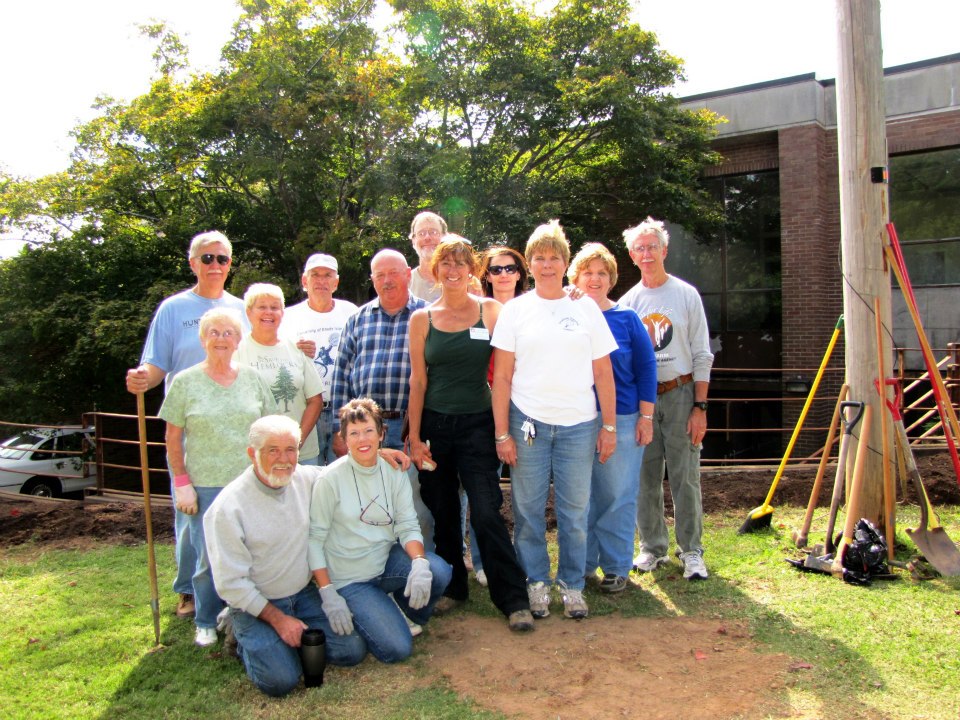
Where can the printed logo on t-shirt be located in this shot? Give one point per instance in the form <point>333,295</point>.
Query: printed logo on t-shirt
<point>659,328</point>
<point>569,323</point>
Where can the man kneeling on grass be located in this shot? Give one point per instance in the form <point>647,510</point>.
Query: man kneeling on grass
<point>256,533</point>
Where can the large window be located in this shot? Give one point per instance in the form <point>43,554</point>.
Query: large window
<point>925,207</point>
<point>738,271</point>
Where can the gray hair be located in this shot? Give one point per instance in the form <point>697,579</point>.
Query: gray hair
<point>258,290</point>
<point>423,216</point>
<point>647,227</point>
<point>210,237</point>
<point>221,314</point>
<point>270,426</point>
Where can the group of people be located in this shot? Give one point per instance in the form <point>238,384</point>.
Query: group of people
<point>296,505</point>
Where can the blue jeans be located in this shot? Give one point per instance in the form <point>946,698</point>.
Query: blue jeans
<point>671,450</point>
<point>186,558</point>
<point>377,618</point>
<point>613,503</point>
<point>314,461</point>
<point>325,435</point>
<point>274,666</point>
<point>567,453</point>
<point>208,603</point>
<point>392,439</point>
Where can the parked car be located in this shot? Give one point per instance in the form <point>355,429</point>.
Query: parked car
<point>34,461</point>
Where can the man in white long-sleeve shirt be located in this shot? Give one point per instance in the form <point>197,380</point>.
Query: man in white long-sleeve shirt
<point>256,533</point>
<point>673,314</point>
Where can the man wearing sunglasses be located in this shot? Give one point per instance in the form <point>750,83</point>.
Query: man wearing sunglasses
<point>173,344</point>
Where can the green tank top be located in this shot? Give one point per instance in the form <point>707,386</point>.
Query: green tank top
<point>457,365</point>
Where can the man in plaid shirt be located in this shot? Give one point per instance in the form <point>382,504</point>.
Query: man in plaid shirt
<point>374,361</point>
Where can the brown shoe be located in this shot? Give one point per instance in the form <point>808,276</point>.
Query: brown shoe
<point>185,606</point>
<point>520,621</point>
<point>446,604</point>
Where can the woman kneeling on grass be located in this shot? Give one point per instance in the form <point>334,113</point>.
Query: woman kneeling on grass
<point>366,550</point>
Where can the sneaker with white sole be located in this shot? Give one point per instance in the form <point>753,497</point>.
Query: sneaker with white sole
<point>693,566</point>
<point>412,626</point>
<point>539,595</point>
<point>205,637</point>
<point>646,561</point>
<point>482,577</point>
<point>574,606</point>
<point>613,583</point>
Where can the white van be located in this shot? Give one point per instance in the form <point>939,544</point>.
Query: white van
<point>35,461</point>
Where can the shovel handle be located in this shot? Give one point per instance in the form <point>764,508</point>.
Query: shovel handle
<point>853,502</point>
<point>850,423</point>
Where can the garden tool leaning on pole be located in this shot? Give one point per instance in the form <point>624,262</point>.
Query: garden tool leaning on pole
<point>933,542</point>
<point>760,517</point>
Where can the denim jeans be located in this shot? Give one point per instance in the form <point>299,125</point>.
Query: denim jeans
<point>377,618</point>
<point>314,461</point>
<point>613,503</point>
<point>672,450</point>
<point>325,435</point>
<point>392,439</point>
<point>186,558</point>
<point>462,447</point>
<point>274,666</point>
<point>208,603</point>
<point>566,452</point>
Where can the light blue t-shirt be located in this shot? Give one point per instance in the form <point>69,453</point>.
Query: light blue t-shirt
<point>173,341</point>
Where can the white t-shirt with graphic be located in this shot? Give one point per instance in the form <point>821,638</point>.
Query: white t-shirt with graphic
<point>323,328</point>
<point>292,379</point>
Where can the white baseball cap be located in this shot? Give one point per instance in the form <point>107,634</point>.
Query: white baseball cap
<point>321,260</point>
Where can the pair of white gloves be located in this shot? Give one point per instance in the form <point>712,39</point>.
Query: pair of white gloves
<point>419,583</point>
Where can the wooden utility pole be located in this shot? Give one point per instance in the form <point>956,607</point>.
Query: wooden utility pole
<point>862,140</point>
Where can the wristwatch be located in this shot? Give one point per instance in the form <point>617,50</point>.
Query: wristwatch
<point>609,428</point>
<point>702,405</point>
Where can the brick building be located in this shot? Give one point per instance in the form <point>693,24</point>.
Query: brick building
<point>774,297</point>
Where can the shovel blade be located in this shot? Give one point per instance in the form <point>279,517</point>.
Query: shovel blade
<point>939,550</point>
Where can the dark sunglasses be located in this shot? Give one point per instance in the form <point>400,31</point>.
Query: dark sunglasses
<point>508,269</point>
<point>208,258</point>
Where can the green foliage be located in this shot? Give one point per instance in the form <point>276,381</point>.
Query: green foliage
<point>313,136</point>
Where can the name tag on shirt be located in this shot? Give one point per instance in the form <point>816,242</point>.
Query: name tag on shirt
<point>479,333</point>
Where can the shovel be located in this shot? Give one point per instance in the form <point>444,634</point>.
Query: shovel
<point>853,501</point>
<point>933,542</point>
<point>838,484</point>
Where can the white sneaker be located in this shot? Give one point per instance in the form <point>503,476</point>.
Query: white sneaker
<point>646,561</point>
<point>482,577</point>
<point>539,595</point>
<point>693,566</point>
<point>414,628</point>
<point>205,637</point>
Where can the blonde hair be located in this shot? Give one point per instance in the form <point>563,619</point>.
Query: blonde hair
<point>588,253</point>
<point>259,290</point>
<point>549,236</point>
<point>457,247</point>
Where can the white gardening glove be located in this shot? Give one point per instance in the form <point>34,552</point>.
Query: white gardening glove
<point>419,583</point>
<point>336,610</point>
<point>186,499</point>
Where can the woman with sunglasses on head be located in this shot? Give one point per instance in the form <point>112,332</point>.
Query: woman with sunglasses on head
<point>365,549</point>
<point>451,431</point>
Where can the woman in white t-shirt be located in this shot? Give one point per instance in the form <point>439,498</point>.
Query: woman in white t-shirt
<point>291,375</point>
<point>551,352</point>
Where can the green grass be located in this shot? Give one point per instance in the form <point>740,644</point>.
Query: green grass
<point>76,638</point>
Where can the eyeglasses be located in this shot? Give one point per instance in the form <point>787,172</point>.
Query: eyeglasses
<point>640,249</point>
<point>226,334</point>
<point>428,232</point>
<point>512,269</point>
<point>373,513</point>
<point>208,258</point>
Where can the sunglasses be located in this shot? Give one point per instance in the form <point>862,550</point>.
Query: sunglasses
<point>208,258</point>
<point>508,269</point>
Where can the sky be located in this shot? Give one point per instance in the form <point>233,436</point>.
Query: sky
<point>58,56</point>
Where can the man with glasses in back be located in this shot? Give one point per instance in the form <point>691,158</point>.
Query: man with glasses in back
<point>673,314</point>
<point>173,344</point>
<point>425,232</point>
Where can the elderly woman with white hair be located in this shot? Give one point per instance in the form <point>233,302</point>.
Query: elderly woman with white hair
<point>208,410</point>
<point>291,375</point>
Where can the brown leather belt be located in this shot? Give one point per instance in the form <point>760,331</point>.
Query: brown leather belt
<point>673,384</point>
<point>391,414</point>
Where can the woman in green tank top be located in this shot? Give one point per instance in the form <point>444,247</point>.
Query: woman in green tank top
<point>451,431</point>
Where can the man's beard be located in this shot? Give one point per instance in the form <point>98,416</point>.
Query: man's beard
<point>273,480</point>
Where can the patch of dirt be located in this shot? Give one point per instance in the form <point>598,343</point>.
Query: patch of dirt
<point>608,667</point>
<point>71,524</point>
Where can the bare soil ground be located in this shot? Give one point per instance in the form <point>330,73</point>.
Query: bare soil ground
<point>607,667</point>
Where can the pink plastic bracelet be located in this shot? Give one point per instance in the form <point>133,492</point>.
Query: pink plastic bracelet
<point>181,480</point>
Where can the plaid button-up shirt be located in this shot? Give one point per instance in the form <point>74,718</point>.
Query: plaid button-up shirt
<point>374,359</point>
